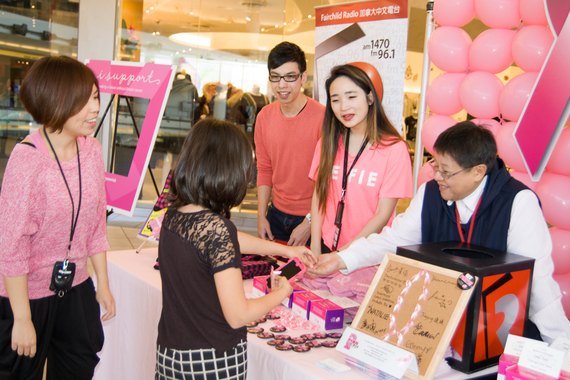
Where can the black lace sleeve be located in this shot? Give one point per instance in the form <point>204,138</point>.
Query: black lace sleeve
<point>214,237</point>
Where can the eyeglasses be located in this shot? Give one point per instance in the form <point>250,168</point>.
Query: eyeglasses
<point>286,77</point>
<point>445,175</point>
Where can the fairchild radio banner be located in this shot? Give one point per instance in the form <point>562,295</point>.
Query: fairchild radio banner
<point>373,33</point>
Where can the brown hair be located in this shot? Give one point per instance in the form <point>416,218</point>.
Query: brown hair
<point>55,89</point>
<point>213,168</point>
<point>379,129</point>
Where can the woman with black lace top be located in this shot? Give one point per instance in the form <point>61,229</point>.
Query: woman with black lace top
<point>201,331</point>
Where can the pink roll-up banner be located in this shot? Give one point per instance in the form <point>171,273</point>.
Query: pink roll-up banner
<point>547,108</point>
<point>139,80</point>
<point>371,34</point>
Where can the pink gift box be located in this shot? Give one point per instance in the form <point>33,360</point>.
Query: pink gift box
<point>326,314</point>
<point>506,361</point>
<point>302,303</point>
<point>288,301</point>
<point>260,286</point>
<point>520,373</point>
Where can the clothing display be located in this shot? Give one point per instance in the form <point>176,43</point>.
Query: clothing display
<point>527,235</point>
<point>189,256</point>
<point>183,102</point>
<point>380,172</point>
<point>33,192</point>
<point>284,149</point>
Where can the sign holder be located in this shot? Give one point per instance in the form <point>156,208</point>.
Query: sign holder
<point>409,316</point>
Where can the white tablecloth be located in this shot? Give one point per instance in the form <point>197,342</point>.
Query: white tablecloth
<point>130,337</point>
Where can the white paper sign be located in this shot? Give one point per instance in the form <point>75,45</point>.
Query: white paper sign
<point>563,345</point>
<point>541,359</point>
<point>384,356</point>
<point>515,344</point>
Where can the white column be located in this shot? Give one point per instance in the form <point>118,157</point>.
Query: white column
<point>96,40</point>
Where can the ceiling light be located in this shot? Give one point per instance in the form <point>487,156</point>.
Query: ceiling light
<point>263,29</point>
<point>285,23</point>
<point>310,16</point>
<point>277,25</point>
<point>147,11</point>
<point>191,39</point>
<point>151,8</point>
<point>191,12</point>
<point>248,18</point>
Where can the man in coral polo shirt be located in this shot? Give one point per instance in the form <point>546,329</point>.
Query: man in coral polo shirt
<point>286,133</point>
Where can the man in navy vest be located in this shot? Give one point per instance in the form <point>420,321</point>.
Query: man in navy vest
<point>494,210</point>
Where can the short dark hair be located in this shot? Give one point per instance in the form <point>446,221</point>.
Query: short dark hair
<point>213,168</point>
<point>55,89</point>
<point>468,144</point>
<point>286,52</point>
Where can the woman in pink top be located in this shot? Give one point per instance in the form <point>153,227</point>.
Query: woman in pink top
<point>53,218</point>
<point>361,165</point>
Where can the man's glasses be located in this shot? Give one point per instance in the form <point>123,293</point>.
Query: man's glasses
<point>445,175</point>
<point>287,77</point>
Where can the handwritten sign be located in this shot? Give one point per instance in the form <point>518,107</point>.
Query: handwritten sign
<point>415,306</point>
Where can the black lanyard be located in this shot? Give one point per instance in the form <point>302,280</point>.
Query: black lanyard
<point>73,216</point>
<point>340,208</point>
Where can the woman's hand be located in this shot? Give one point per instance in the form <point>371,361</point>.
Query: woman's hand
<point>303,253</point>
<point>105,299</point>
<point>280,282</point>
<point>24,337</point>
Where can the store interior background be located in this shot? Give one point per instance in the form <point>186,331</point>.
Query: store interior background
<point>225,41</point>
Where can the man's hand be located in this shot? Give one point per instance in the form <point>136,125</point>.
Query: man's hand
<point>300,234</point>
<point>327,264</point>
<point>263,228</point>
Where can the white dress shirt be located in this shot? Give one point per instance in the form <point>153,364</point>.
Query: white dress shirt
<point>528,236</point>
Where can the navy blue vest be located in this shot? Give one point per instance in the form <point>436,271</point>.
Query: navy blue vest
<point>493,216</point>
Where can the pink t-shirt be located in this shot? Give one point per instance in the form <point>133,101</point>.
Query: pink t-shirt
<point>380,172</point>
<point>36,214</point>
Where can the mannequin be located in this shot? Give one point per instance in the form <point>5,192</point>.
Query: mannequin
<point>255,90</point>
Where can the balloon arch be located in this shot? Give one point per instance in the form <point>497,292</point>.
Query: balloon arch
<point>520,33</point>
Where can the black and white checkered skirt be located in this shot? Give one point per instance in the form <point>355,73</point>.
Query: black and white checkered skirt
<point>202,364</point>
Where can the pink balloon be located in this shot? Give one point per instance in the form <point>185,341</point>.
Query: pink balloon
<point>454,12</point>
<point>533,12</point>
<point>554,193</point>
<point>479,93</point>
<point>560,250</point>
<point>443,94</point>
<point>490,124</point>
<point>559,161</point>
<point>524,178</point>
<point>502,14</point>
<point>491,51</point>
<point>515,94</point>
<point>563,281</point>
<point>448,49</point>
<point>531,46</point>
<point>508,149</point>
<point>432,128</point>
<point>425,174</point>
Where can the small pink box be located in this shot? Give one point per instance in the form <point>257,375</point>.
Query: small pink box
<point>259,286</point>
<point>302,303</point>
<point>506,361</point>
<point>520,373</point>
<point>288,301</point>
<point>326,314</point>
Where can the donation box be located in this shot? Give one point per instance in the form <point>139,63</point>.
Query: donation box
<point>498,306</point>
